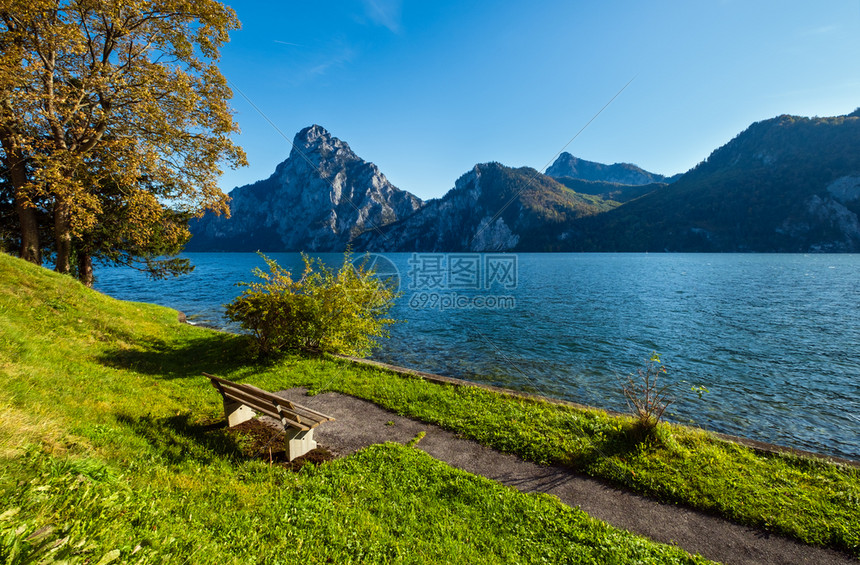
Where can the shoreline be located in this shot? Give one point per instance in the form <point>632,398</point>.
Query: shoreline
<point>756,445</point>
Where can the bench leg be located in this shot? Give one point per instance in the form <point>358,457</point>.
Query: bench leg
<point>236,412</point>
<point>299,442</point>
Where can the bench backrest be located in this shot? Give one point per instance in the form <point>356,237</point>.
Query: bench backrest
<point>289,413</point>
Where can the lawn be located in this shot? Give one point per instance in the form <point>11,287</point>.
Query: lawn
<point>111,450</point>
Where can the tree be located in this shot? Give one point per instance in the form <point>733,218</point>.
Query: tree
<point>103,100</point>
<point>7,212</point>
<point>10,233</point>
<point>135,229</point>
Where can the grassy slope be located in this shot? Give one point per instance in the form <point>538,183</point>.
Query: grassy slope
<point>145,427</point>
<point>109,453</point>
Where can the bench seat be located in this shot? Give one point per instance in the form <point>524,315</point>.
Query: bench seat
<point>243,401</point>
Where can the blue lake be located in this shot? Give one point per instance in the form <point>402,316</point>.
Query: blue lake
<point>775,338</point>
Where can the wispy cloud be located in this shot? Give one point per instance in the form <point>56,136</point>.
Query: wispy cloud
<point>330,61</point>
<point>822,30</point>
<point>385,13</point>
<point>313,61</point>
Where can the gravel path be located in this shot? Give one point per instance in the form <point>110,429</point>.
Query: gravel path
<point>360,423</point>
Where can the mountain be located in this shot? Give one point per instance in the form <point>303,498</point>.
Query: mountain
<point>317,200</point>
<point>566,165</point>
<point>491,208</point>
<point>610,190</point>
<point>788,184</point>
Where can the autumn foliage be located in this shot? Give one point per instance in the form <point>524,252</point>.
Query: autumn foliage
<point>114,124</point>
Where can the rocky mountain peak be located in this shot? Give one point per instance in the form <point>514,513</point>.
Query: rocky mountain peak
<point>312,133</point>
<point>317,200</point>
<point>316,139</point>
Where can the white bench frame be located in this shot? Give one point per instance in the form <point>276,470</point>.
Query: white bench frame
<point>242,402</point>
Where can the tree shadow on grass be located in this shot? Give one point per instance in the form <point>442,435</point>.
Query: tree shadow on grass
<point>211,353</point>
<point>178,439</point>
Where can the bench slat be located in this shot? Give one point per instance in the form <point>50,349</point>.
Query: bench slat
<point>272,401</point>
<point>267,408</point>
<point>311,415</point>
<point>292,416</point>
<point>322,417</point>
<point>297,416</point>
<point>250,389</point>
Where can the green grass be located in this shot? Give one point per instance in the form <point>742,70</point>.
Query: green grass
<point>387,503</point>
<point>142,426</point>
<point>110,451</point>
<point>812,501</point>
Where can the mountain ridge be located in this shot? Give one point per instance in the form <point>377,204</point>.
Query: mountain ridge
<point>318,199</point>
<point>613,191</point>
<point>789,184</point>
<point>491,208</point>
<point>566,165</point>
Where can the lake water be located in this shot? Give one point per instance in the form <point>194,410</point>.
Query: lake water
<point>775,338</point>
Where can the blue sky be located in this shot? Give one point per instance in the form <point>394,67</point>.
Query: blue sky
<point>427,89</point>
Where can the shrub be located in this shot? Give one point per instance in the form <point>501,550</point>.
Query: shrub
<point>647,396</point>
<point>343,311</point>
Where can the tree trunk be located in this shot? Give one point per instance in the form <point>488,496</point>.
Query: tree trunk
<point>30,249</point>
<point>62,236</point>
<point>14,161</point>
<point>85,268</point>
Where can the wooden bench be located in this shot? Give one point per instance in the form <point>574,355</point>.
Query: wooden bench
<point>242,401</point>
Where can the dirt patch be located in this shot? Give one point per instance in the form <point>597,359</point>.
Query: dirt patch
<point>260,440</point>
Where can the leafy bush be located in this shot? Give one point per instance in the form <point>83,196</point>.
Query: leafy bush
<point>343,311</point>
